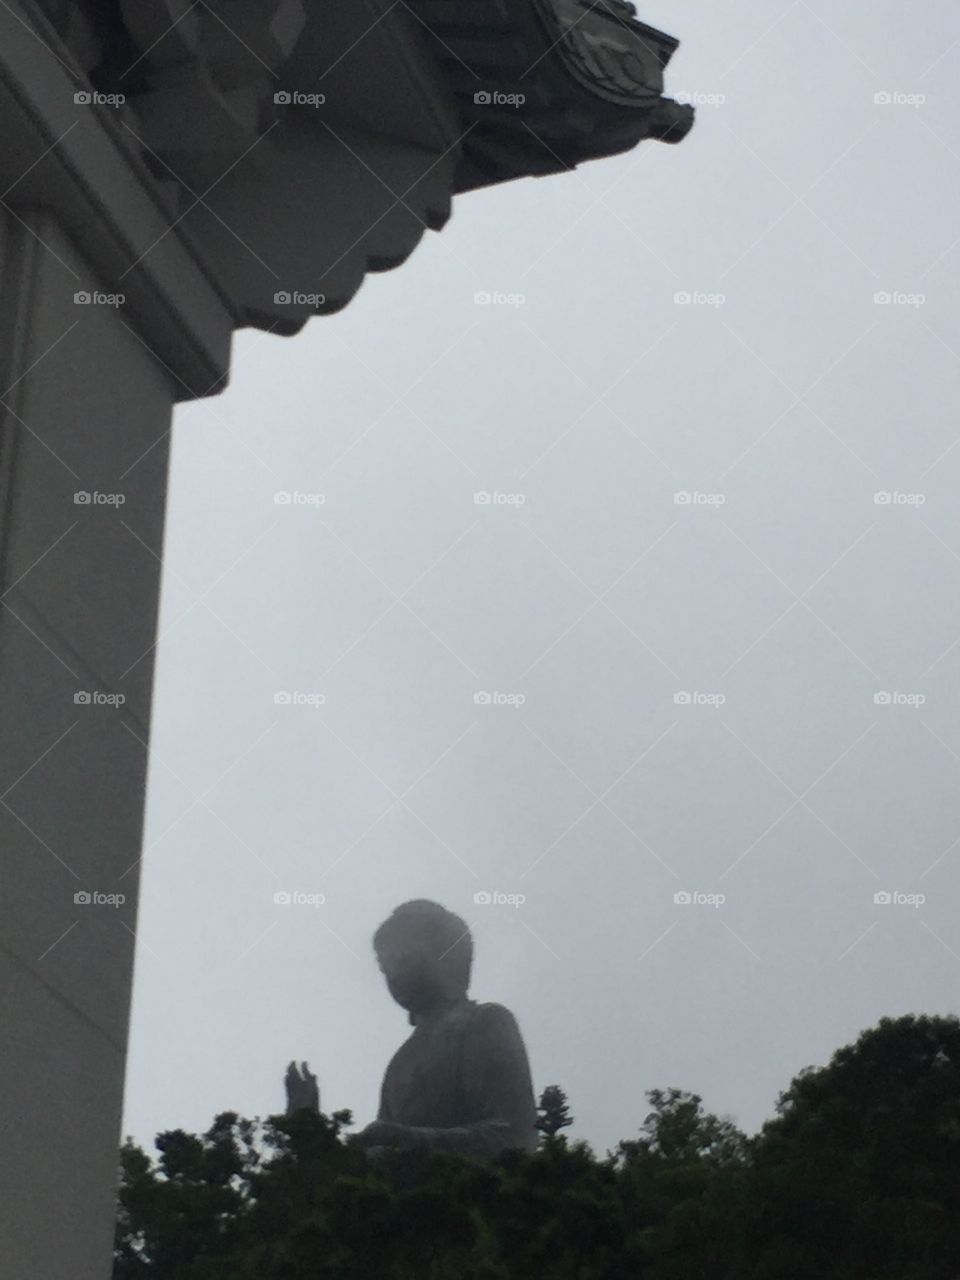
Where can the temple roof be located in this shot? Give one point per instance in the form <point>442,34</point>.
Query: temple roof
<point>298,145</point>
<point>543,85</point>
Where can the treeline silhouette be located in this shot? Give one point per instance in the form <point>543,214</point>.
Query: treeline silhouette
<point>857,1177</point>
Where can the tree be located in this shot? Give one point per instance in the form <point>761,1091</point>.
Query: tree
<point>678,1130</point>
<point>177,1215</point>
<point>684,1177</point>
<point>857,1177</point>
<point>554,1111</point>
<point>859,1174</point>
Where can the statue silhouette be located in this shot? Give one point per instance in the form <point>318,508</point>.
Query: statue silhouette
<point>461,1081</point>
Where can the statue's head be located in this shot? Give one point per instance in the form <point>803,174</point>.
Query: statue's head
<point>425,953</point>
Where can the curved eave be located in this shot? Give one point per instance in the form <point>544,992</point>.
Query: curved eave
<point>573,86</point>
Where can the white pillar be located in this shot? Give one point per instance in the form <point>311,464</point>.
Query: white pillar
<point>86,396</point>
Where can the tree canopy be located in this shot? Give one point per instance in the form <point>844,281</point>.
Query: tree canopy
<point>856,1177</point>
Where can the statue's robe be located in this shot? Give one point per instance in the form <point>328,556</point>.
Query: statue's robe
<point>461,1083</point>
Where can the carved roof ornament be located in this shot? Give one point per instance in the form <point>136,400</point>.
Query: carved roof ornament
<point>612,53</point>
<point>618,58</point>
<point>549,84</point>
<point>301,145</point>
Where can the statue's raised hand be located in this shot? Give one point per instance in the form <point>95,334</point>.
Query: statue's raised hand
<point>302,1090</point>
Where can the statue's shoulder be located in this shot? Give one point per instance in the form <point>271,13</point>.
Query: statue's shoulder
<point>491,1017</point>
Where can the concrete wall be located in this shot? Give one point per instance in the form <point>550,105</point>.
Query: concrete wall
<point>85,408</point>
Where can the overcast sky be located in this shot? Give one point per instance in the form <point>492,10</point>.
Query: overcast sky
<point>750,696</point>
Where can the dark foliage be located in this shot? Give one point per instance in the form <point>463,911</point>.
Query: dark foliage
<point>553,1113</point>
<point>856,1178</point>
